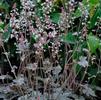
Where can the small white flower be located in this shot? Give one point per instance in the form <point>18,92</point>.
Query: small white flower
<point>83,62</point>
<point>75,33</point>
<point>20,80</point>
<point>32,67</point>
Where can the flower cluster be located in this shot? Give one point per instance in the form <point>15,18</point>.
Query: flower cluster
<point>21,23</point>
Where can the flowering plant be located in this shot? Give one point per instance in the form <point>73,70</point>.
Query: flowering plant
<point>47,42</point>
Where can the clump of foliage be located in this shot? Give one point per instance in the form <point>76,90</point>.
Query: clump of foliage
<point>48,42</point>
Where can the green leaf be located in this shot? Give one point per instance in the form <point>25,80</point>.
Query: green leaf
<point>39,12</point>
<point>1,30</point>
<point>93,2</point>
<point>95,17</point>
<point>33,38</point>
<point>69,38</point>
<point>55,17</point>
<point>93,43</point>
<point>6,35</point>
<point>100,46</point>
<point>92,71</point>
<point>77,13</point>
<point>1,25</point>
<point>45,46</point>
<point>95,12</point>
<point>4,6</point>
